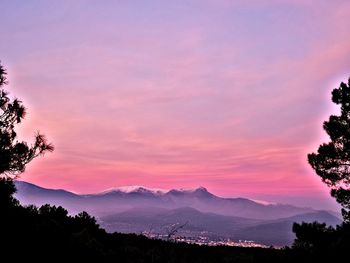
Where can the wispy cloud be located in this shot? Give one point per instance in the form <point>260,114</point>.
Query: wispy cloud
<point>226,94</point>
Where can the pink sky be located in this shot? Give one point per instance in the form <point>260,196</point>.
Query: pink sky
<point>229,95</point>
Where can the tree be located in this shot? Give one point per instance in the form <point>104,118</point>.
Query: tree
<point>312,235</point>
<point>332,160</point>
<point>14,154</point>
<point>173,229</point>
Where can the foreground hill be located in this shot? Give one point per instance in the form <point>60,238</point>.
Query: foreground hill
<point>268,232</point>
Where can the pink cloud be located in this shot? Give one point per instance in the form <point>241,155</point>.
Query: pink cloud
<point>228,96</point>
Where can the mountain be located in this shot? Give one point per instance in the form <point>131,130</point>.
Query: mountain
<point>119,200</point>
<point>140,209</point>
<point>204,201</point>
<point>134,188</point>
<point>29,193</point>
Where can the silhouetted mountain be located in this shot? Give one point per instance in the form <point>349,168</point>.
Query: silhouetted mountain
<point>119,200</point>
<point>29,193</point>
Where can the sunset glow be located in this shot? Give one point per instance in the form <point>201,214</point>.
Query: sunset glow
<point>228,95</point>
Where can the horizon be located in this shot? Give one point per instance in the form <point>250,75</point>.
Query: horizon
<point>229,96</point>
<point>133,188</point>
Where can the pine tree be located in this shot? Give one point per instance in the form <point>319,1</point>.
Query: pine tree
<point>14,154</point>
<point>332,160</point>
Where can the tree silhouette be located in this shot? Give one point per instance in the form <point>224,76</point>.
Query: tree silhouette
<point>14,154</point>
<point>332,160</point>
<point>173,229</point>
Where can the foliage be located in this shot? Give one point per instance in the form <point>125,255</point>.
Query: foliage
<point>14,155</point>
<point>332,163</point>
<point>318,242</point>
<point>7,189</point>
<point>332,160</point>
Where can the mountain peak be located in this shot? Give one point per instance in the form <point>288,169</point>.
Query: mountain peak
<point>201,189</point>
<point>196,192</point>
<point>135,189</point>
<point>202,192</point>
<point>157,191</point>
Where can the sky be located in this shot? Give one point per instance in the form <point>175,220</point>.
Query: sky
<point>228,95</point>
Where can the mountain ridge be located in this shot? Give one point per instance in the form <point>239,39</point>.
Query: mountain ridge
<point>117,201</point>
<point>140,189</point>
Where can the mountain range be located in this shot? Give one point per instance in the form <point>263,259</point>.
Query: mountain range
<point>139,209</point>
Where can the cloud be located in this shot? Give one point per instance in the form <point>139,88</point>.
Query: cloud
<point>226,93</point>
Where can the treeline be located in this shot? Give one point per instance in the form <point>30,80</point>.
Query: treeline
<point>50,234</point>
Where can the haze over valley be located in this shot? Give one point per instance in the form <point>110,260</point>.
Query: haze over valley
<point>153,212</point>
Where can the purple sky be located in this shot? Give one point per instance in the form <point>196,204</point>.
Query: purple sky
<point>229,95</point>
